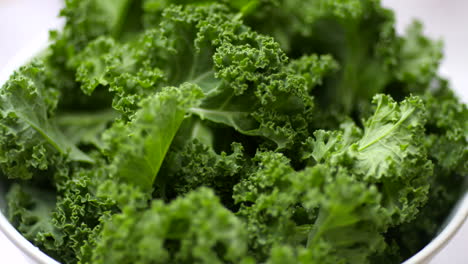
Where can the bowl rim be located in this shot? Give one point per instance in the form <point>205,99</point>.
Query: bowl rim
<point>454,222</point>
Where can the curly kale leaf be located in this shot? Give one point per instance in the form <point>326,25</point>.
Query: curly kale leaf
<point>137,148</point>
<point>30,210</point>
<point>418,59</point>
<point>311,210</point>
<point>107,63</point>
<point>87,20</point>
<point>360,35</point>
<point>176,232</point>
<point>30,138</point>
<point>78,214</point>
<point>86,128</point>
<point>447,130</point>
<point>197,164</point>
<point>390,152</point>
<point>249,83</point>
<point>446,141</point>
<point>84,22</point>
<point>61,222</point>
<point>261,94</point>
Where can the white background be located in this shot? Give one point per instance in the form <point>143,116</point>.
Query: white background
<point>22,20</point>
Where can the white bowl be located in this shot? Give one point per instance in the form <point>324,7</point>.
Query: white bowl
<point>452,224</point>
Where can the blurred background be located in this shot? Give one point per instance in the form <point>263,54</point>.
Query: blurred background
<point>26,22</point>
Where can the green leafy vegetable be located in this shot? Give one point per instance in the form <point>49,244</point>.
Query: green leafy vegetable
<point>30,137</point>
<point>137,149</point>
<point>174,232</point>
<point>247,131</point>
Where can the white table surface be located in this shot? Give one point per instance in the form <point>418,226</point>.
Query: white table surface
<point>22,20</point>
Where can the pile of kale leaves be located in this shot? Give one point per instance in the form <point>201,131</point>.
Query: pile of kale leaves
<point>248,131</point>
